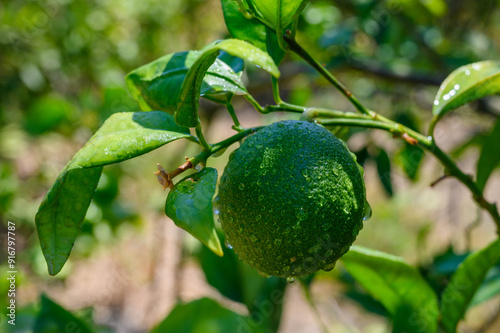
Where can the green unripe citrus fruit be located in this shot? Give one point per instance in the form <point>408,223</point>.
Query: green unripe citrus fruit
<point>292,199</point>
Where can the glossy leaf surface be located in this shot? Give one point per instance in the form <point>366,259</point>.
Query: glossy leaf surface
<point>465,282</point>
<point>397,285</point>
<point>466,84</point>
<point>186,113</point>
<point>189,205</point>
<point>122,136</point>
<point>156,86</point>
<point>280,13</point>
<point>251,30</point>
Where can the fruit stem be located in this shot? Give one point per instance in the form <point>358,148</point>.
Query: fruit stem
<point>166,178</point>
<point>201,137</point>
<point>255,104</point>
<point>276,91</point>
<point>301,52</point>
<point>232,113</point>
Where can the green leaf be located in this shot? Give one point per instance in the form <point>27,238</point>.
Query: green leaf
<point>189,205</point>
<point>410,158</point>
<point>129,134</point>
<point>251,30</point>
<point>236,280</point>
<point>384,171</point>
<point>157,85</point>
<point>123,136</point>
<point>464,284</point>
<point>186,113</point>
<point>489,288</point>
<point>248,52</point>
<point>466,84</point>
<point>490,156</point>
<point>398,286</point>
<point>280,13</point>
<point>53,318</point>
<point>62,212</point>
<point>206,316</point>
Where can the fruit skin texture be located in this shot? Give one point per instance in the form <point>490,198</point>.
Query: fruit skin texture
<point>291,199</point>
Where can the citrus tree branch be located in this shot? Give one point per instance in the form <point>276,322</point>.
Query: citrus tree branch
<point>297,49</point>
<point>412,137</point>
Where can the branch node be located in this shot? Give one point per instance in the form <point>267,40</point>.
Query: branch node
<point>165,178</point>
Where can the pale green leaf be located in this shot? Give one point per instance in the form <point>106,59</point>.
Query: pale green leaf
<point>466,84</point>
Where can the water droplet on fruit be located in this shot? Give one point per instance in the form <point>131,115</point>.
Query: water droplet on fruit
<point>261,198</point>
<point>226,243</point>
<point>367,211</point>
<point>216,205</point>
<point>290,280</point>
<point>301,214</point>
<point>258,217</point>
<point>329,267</point>
<point>247,173</point>
<point>241,186</point>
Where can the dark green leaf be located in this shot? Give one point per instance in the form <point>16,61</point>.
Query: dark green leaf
<point>189,205</point>
<point>489,288</point>
<point>398,286</point>
<point>280,13</point>
<point>157,85</point>
<point>384,171</point>
<point>490,156</point>
<point>466,84</point>
<point>206,316</point>
<point>464,284</point>
<point>54,319</point>
<point>186,113</point>
<point>251,30</point>
<point>62,212</point>
<point>410,158</point>
<point>122,136</point>
<point>241,283</point>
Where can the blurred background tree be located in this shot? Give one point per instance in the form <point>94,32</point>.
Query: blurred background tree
<point>62,68</point>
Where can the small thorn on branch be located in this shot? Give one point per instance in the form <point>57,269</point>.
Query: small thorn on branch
<point>434,183</point>
<point>165,178</point>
